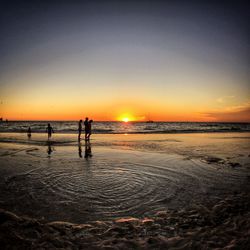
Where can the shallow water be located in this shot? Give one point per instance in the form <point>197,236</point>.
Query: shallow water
<point>117,176</point>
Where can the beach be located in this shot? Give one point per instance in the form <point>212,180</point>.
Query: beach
<point>148,191</point>
<point>124,125</point>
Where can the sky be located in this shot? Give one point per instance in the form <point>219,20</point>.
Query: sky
<point>110,60</point>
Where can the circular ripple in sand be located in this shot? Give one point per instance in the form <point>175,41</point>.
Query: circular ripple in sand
<point>102,189</point>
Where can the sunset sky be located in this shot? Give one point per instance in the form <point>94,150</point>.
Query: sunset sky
<point>158,60</point>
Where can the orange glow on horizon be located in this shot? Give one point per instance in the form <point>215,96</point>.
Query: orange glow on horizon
<point>124,112</point>
<point>168,117</point>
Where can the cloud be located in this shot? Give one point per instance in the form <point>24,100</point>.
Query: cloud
<point>224,99</point>
<point>240,113</point>
<point>140,118</point>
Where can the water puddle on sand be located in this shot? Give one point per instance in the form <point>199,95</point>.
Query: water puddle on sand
<point>60,183</point>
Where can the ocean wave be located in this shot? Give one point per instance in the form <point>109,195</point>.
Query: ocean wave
<point>127,128</point>
<point>135,132</point>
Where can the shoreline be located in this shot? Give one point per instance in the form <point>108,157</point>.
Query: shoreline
<point>135,133</point>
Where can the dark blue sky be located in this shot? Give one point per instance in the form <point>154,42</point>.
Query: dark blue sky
<point>209,31</point>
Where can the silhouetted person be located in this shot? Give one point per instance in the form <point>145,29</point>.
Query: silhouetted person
<point>86,124</point>
<point>89,129</point>
<point>50,130</point>
<point>29,132</point>
<point>88,152</point>
<point>79,130</point>
<point>80,149</point>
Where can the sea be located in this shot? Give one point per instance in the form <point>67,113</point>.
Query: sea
<point>109,127</point>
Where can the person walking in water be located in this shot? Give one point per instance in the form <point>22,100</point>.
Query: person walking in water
<point>79,130</point>
<point>29,132</point>
<point>50,130</point>
<point>86,124</point>
<point>89,129</point>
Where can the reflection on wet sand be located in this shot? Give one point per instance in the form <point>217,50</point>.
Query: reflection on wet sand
<point>134,175</point>
<point>50,149</point>
<point>88,152</point>
<point>80,149</point>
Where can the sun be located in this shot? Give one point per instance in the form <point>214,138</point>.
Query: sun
<point>125,119</point>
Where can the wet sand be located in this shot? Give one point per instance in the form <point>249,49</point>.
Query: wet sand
<point>150,178</point>
<point>224,225</point>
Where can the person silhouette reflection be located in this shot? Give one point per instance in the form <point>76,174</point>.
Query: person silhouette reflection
<point>80,149</point>
<point>88,152</point>
<point>50,149</point>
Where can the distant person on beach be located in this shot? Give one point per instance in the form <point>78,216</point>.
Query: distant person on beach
<point>79,130</point>
<point>50,130</point>
<point>86,124</point>
<point>89,132</point>
<point>29,132</point>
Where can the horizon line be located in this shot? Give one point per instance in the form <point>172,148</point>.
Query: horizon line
<point>151,121</point>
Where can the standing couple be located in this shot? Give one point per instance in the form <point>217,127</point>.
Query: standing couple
<point>87,128</point>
